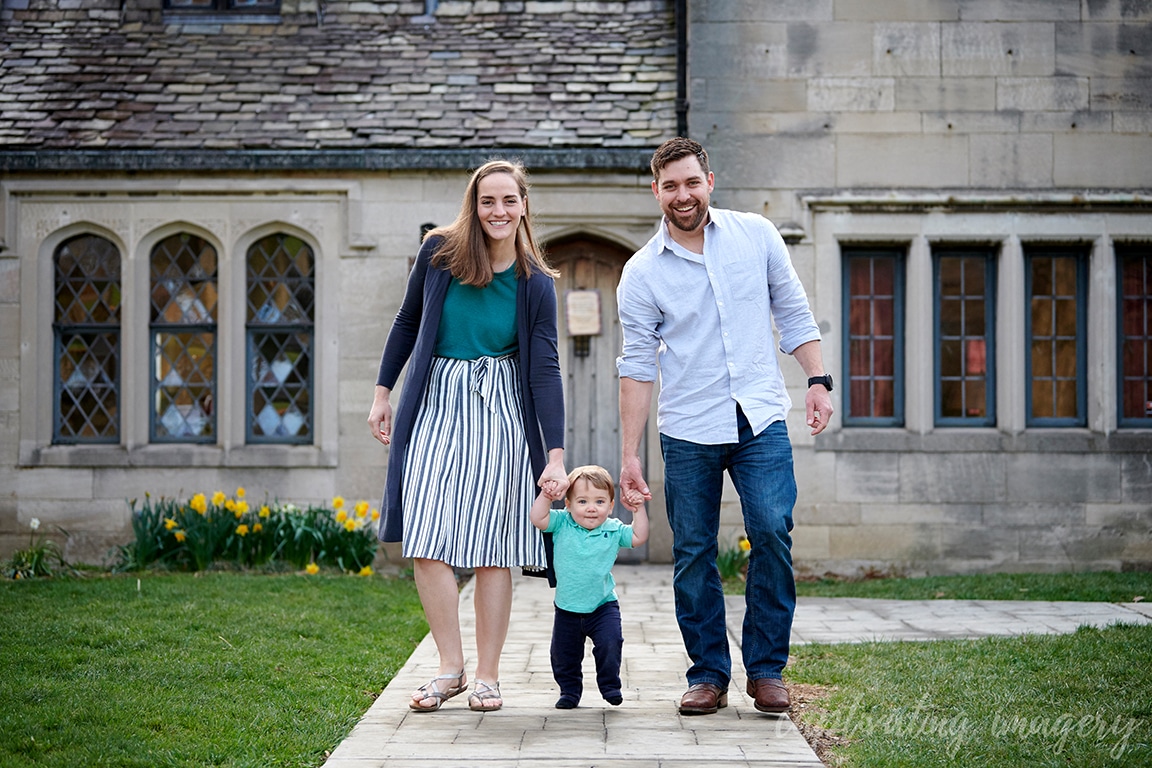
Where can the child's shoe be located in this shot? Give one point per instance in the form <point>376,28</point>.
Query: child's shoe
<point>567,702</point>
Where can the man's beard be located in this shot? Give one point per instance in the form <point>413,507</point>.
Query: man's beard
<point>692,223</point>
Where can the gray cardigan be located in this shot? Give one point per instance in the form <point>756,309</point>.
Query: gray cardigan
<point>412,341</point>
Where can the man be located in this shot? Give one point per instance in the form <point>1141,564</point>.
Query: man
<point>697,305</point>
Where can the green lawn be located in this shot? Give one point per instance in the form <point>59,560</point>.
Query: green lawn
<point>217,669</point>
<point>233,669</point>
<point>1096,586</point>
<point>1102,586</point>
<point>1083,699</point>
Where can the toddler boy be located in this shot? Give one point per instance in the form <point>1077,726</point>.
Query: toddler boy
<point>585,542</point>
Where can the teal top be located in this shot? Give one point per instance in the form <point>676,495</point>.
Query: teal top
<point>479,322</point>
<point>583,559</point>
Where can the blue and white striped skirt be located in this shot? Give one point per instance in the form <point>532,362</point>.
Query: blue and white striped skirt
<point>468,482</point>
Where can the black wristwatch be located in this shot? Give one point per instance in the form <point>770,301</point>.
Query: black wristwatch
<point>826,380</point>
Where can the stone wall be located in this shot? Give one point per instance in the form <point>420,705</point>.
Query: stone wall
<point>911,124</point>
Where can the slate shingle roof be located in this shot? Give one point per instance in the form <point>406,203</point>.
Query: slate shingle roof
<point>488,73</point>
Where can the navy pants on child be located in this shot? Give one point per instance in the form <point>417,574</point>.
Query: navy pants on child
<point>569,631</point>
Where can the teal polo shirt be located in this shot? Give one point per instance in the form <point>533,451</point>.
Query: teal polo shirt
<point>583,560</point>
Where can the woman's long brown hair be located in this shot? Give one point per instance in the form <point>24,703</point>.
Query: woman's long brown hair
<point>464,251</point>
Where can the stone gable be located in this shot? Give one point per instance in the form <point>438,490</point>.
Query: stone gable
<point>345,75</point>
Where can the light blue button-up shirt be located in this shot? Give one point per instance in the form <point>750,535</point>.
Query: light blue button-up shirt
<point>704,323</point>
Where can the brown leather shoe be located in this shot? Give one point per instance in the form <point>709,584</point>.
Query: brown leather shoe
<point>703,699</point>
<point>770,695</point>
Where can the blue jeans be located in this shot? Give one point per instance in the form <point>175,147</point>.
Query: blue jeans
<point>761,469</point>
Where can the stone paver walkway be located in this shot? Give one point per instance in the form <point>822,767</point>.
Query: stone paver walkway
<point>647,731</point>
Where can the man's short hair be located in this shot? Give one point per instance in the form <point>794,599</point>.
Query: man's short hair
<point>677,149</point>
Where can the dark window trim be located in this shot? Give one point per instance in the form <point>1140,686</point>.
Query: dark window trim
<point>900,253</point>
<point>254,327</point>
<point>226,7</point>
<point>62,329</point>
<point>1123,251</point>
<point>1080,254</point>
<point>989,255</point>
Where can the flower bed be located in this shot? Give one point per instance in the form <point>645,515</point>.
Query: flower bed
<point>193,534</point>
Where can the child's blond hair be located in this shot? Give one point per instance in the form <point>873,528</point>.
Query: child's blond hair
<point>596,476</point>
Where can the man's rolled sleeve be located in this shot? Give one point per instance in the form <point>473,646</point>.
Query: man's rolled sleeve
<point>639,320</point>
<point>790,309</point>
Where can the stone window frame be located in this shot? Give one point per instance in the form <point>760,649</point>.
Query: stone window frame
<point>319,214</point>
<point>921,221</point>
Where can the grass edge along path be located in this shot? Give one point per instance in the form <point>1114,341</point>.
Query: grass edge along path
<point>1093,586</point>
<point>212,669</point>
<point>1083,699</point>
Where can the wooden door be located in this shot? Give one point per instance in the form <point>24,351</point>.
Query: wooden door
<point>588,362</point>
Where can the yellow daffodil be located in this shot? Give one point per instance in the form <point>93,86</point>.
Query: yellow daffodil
<point>312,569</point>
<point>230,506</point>
<point>199,503</point>
<point>241,530</point>
<point>361,508</point>
<point>341,516</point>
<point>745,545</point>
<point>264,511</point>
<point>240,492</point>
<point>350,525</point>
<point>375,514</point>
<point>257,527</point>
<point>337,502</point>
<point>366,571</point>
<point>169,524</point>
<point>180,535</point>
<point>241,508</point>
<point>218,498</point>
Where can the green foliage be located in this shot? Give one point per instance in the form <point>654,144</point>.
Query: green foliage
<point>217,668</point>
<point>733,561</point>
<point>40,560</point>
<point>196,533</point>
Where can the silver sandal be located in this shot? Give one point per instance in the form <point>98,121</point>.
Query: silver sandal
<point>484,693</point>
<point>432,691</point>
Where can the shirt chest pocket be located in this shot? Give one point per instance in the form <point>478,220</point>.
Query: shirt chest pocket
<point>747,280</point>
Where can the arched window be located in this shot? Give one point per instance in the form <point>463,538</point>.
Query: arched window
<point>183,340</point>
<point>281,312</point>
<point>86,330</point>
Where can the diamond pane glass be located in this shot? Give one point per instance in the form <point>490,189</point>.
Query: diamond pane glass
<point>280,280</point>
<point>183,308</point>
<point>87,339</point>
<point>184,280</point>
<point>281,308</point>
<point>87,388</point>
<point>281,371</point>
<point>184,386</point>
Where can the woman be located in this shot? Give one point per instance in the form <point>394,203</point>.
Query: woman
<point>477,329</point>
